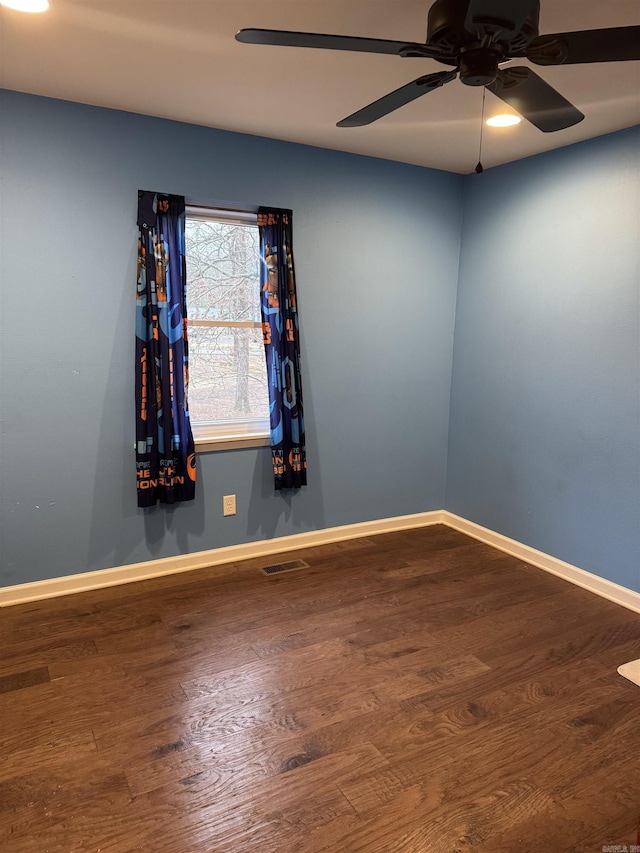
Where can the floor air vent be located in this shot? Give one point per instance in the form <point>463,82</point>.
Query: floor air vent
<point>279,568</point>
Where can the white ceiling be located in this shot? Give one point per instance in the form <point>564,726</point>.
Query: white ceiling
<point>178,59</point>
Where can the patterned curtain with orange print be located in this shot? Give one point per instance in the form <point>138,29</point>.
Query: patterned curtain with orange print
<point>279,306</point>
<point>165,453</point>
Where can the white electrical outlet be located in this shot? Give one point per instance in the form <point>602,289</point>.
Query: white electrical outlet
<point>229,505</point>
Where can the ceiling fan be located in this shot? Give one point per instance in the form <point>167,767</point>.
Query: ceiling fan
<point>476,37</point>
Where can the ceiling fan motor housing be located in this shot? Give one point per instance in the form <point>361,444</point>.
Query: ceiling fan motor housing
<point>477,54</point>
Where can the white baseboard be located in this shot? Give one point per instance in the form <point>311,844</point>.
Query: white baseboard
<point>604,588</point>
<point>23,593</point>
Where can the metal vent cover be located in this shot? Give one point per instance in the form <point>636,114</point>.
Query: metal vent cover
<point>279,568</point>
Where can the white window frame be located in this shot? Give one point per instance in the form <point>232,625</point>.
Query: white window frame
<point>235,433</point>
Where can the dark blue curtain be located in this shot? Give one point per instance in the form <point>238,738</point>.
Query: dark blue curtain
<point>165,453</point>
<point>282,347</point>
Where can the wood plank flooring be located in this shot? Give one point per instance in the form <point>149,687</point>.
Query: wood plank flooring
<point>413,692</point>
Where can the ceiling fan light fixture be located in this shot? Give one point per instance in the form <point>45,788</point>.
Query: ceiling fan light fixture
<point>503,120</point>
<point>26,5</point>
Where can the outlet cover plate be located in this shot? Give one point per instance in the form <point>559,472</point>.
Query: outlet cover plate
<point>229,505</point>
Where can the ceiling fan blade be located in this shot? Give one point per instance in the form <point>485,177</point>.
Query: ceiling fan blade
<point>534,99</point>
<point>616,44</point>
<point>506,15</point>
<point>398,98</point>
<point>324,41</point>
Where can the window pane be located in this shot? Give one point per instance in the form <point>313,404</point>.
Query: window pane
<point>223,281</point>
<point>227,374</point>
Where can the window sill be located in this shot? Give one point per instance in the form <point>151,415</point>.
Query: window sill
<point>231,442</point>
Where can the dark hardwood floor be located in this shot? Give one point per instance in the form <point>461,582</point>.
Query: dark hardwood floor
<point>413,692</point>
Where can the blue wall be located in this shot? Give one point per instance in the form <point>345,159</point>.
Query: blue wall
<point>544,440</point>
<point>377,250</point>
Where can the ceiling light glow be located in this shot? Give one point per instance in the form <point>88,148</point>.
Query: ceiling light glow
<point>504,120</point>
<point>26,5</point>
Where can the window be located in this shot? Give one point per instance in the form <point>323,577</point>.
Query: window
<point>228,396</point>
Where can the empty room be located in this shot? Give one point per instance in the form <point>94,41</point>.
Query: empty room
<point>319,426</point>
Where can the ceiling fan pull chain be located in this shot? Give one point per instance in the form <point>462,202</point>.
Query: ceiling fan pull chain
<point>479,167</point>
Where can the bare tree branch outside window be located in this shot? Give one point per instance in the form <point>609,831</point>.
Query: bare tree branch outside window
<point>227,371</point>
